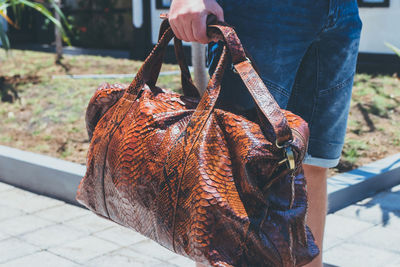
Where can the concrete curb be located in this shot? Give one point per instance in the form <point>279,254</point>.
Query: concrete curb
<point>40,174</point>
<point>75,51</point>
<point>350,187</point>
<point>112,76</point>
<point>60,179</point>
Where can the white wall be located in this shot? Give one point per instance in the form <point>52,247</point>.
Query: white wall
<point>155,21</point>
<point>380,25</point>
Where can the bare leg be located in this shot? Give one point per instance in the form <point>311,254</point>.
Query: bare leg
<point>316,178</point>
<point>200,265</point>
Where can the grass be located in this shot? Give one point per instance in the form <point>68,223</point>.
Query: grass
<point>49,115</point>
<point>353,149</point>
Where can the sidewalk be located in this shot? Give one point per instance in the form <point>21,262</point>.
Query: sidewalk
<point>40,231</point>
<point>366,233</point>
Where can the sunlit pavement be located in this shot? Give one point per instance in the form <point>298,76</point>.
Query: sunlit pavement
<point>40,231</point>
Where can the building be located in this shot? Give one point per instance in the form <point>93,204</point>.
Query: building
<point>381,25</point>
<point>133,25</point>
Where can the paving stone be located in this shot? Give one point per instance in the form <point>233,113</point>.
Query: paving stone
<point>3,236</point>
<point>62,213</point>
<point>395,263</point>
<point>8,212</point>
<point>374,214</point>
<point>23,224</point>
<point>84,249</point>
<point>364,234</point>
<point>353,255</point>
<point>380,238</point>
<point>52,235</point>
<point>152,249</point>
<point>90,223</point>
<point>343,227</point>
<point>42,259</point>
<point>181,261</point>
<point>26,201</point>
<point>124,257</point>
<point>6,187</point>
<point>13,247</point>
<point>330,241</point>
<point>393,221</point>
<point>120,235</point>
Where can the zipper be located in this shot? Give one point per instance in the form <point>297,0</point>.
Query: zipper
<point>289,155</point>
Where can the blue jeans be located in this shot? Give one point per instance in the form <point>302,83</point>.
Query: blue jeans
<point>306,53</point>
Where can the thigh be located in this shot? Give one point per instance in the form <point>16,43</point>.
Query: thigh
<point>322,91</point>
<point>276,33</point>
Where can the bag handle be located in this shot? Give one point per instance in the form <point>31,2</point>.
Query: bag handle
<point>188,87</point>
<point>269,111</point>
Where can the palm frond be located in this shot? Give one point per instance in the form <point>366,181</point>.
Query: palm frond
<point>4,38</point>
<point>394,48</point>
<point>17,7</point>
<point>4,15</point>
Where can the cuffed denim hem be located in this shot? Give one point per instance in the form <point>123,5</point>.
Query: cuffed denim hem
<point>320,162</point>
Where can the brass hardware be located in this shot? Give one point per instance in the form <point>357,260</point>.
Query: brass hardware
<point>233,66</point>
<point>289,158</point>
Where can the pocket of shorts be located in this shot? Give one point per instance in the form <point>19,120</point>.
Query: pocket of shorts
<point>346,82</point>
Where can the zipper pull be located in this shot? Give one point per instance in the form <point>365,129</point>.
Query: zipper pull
<point>289,158</point>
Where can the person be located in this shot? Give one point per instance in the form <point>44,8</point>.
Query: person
<point>306,53</point>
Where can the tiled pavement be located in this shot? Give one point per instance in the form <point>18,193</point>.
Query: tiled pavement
<point>366,233</point>
<point>40,231</point>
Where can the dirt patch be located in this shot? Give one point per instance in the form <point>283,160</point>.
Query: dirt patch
<point>8,84</point>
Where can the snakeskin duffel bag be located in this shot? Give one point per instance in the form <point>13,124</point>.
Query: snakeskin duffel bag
<point>203,182</point>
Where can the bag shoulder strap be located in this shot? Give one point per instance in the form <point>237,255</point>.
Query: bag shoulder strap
<point>270,111</point>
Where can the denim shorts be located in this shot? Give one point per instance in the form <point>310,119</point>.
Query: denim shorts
<point>306,53</point>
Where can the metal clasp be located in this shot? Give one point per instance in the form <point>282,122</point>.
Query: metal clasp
<point>289,158</point>
<point>233,66</point>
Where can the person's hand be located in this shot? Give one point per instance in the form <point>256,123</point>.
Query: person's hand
<point>188,18</point>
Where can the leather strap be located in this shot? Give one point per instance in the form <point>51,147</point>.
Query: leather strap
<point>149,71</point>
<point>157,66</point>
<point>188,87</point>
<point>269,111</point>
<point>151,64</point>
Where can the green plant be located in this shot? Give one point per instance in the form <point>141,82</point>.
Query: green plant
<point>352,149</point>
<point>394,48</point>
<point>17,6</point>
